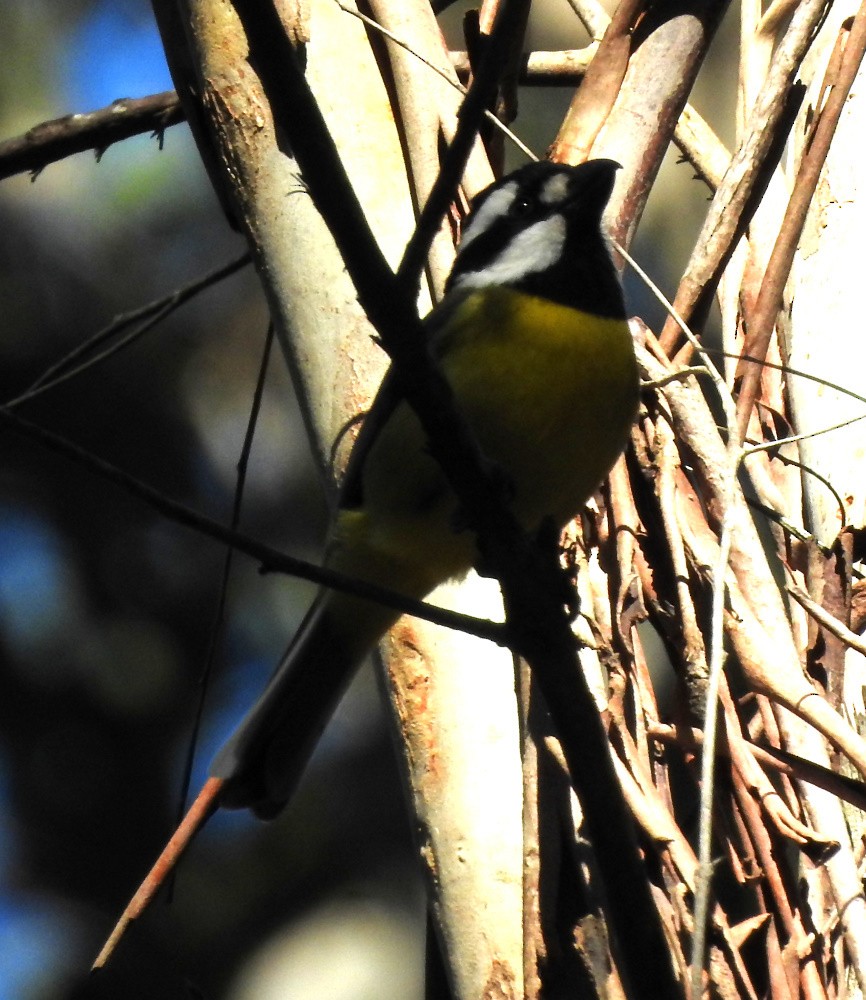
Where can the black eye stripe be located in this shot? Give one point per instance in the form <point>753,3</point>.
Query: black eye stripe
<point>524,209</point>
<point>485,247</point>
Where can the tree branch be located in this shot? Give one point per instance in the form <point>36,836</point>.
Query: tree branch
<point>54,140</point>
<point>270,560</point>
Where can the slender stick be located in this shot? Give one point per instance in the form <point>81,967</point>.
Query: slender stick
<point>54,140</point>
<point>204,806</point>
<point>271,560</point>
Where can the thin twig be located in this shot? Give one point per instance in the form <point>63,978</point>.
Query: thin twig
<point>709,367</point>
<point>753,449</point>
<point>826,620</point>
<point>271,560</point>
<point>545,71</point>
<point>54,140</point>
<point>206,803</point>
<point>788,370</point>
<point>228,560</point>
<point>152,314</point>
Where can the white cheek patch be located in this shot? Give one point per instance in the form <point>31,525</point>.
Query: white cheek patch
<point>535,249</point>
<point>496,205</point>
<point>555,189</point>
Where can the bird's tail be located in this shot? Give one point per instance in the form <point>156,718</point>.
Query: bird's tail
<point>266,755</point>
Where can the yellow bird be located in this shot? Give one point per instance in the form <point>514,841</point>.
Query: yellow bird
<point>533,338</point>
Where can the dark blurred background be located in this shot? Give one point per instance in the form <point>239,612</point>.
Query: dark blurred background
<point>106,609</point>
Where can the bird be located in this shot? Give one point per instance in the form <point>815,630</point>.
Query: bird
<point>532,336</point>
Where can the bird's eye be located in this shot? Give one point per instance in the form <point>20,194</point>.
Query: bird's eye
<point>522,205</point>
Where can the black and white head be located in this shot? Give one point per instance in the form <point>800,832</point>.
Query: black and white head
<point>539,230</point>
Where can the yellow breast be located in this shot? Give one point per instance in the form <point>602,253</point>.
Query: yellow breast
<point>550,393</point>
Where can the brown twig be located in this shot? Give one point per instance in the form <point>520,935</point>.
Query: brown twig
<point>271,560</point>
<point>755,780</point>
<point>779,761</point>
<point>51,141</point>
<point>205,805</point>
<point>668,49</point>
<point>826,620</point>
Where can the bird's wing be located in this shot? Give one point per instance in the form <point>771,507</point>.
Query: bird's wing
<point>387,399</point>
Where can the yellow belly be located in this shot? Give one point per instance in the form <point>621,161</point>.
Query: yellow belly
<point>550,393</point>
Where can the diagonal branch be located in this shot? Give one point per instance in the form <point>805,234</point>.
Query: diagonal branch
<point>271,560</point>
<point>54,140</point>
